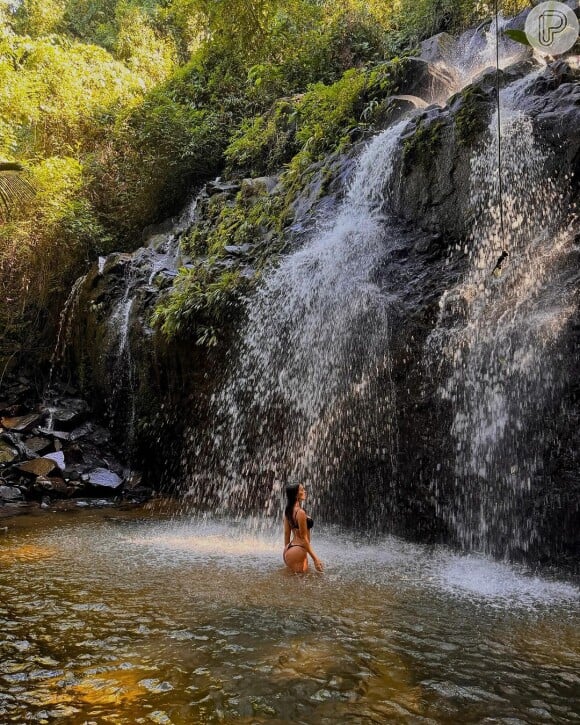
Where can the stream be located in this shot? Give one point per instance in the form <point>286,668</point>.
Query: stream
<point>139,617</point>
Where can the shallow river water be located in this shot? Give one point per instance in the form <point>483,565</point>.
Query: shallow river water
<point>127,617</point>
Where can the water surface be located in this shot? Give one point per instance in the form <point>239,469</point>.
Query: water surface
<point>113,617</point>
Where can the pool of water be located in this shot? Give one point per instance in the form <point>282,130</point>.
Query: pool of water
<point>126,617</point>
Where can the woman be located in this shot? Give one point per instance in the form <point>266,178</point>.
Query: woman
<point>296,522</point>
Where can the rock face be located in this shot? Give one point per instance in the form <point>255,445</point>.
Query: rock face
<point>151,391</point>
<point>435,169</point>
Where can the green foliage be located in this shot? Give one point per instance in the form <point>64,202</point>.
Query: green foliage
<point>202,303</point>
<point>518,36</point>
<point>118,108</point>
<point>208,295</point>
<point>56,95</point>
<point>329,113</point>
<point>266,142</point>
<point>302,129</point>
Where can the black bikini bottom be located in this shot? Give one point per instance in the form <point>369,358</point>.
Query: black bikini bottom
<point>290,546</point>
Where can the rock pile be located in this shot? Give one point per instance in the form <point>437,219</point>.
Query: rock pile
<point>52,450</point>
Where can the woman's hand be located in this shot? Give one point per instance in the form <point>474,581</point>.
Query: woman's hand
<point>318,565</point>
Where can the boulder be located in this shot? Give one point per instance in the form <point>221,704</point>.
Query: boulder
<point>69,414</point>
<point>37,444</point>
<point>425,80</point>
<point>104,477</point>
<point>7,452</point>
<point>22,422</point>
<point>438,48</point>
<point>37,467</point>
<point>9,493</point>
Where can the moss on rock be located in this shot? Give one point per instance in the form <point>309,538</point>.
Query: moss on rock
<point>471,117</point>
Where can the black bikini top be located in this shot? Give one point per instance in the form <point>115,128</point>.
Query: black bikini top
<point>309,523</point>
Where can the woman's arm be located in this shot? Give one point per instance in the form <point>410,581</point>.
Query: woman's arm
<point>286,532</point>
<point>305,536</point>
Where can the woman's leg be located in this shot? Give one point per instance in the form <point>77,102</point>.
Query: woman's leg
<point>296,559</point>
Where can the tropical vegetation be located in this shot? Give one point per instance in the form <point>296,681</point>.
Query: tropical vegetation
<point>112,111</point>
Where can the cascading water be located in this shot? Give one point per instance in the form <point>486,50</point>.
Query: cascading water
<point>65,328</point>
<point>309,396</point>
<point>310,386</point>
<point>121,408</point>
<point>499,336</point>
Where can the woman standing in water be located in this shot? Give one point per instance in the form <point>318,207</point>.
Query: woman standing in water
<point>298,524</point>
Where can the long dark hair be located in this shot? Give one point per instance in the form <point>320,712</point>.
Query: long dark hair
<point>291,498</point>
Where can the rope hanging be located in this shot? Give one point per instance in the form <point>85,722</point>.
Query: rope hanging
<point>504,254</point>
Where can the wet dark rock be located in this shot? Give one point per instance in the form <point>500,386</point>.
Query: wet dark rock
<point>134,481</point>
<point>221,187</point>
<point>70,413</point>
<point>435,165</point>
<point>161,229</point>
<point>54,485</point>
<point>74,454</point>
<point>61,435</point>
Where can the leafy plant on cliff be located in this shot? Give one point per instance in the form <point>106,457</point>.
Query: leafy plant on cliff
<point>208,294</point>
<point>201,305</point>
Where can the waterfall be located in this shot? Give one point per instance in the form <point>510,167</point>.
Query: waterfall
<point>64,328</point>
<point>309,395</point>
<point>310,385</point>
<point>122,403</point>
<point>498,337</point>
